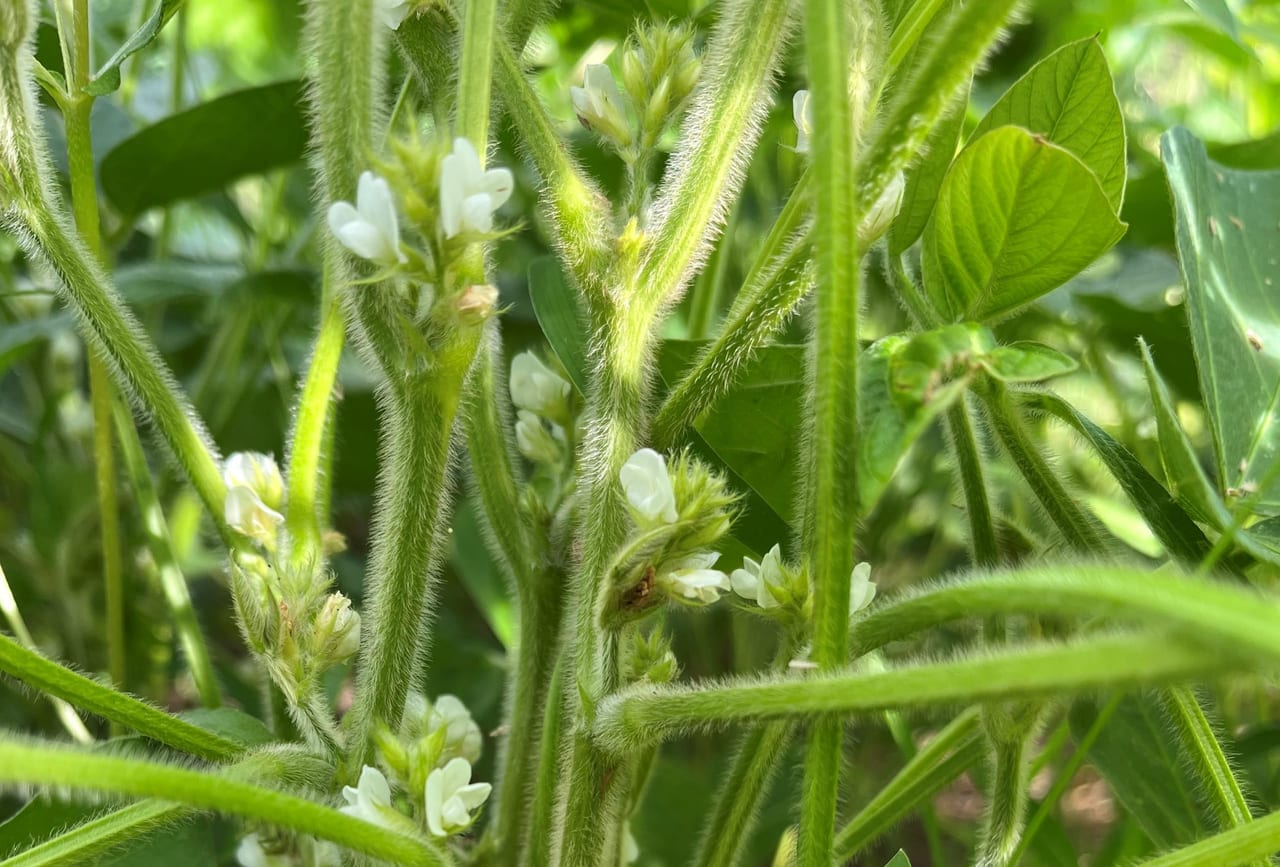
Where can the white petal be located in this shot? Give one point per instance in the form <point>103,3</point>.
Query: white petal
<point>378,207</point>
<point>745,584</point>
<point>340,214</point>
<point>648,486</point>
<point>477,214</point>
<point>374,787</point>
<point>434,797</point>
<point>454,815</point>
<point>580,99</point>
<point>474,795</point>
<point>452,192</point>
<point>393,12</point>
<point>498,183</point>
<point>364,239</point>
<point>250,852</point>
<point>467,163</point>
<point>455,775</point>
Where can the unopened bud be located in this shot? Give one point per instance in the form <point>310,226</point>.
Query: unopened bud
<point>536,387</point>
<point>477,303</point>
<point>536,442</point>
<point>337,630</point>
<point>599,105</point>
<point>245,512</point>
<point>257,472</point>
<point>254,603</point>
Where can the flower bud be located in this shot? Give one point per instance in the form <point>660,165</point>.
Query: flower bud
<point>257,472</point>
<point>882,214</point>
<point>245,512</point>
<point>255,605</point>
<point>477,303</point>
<point>600,106</point>
<point>337,630</point>
<point>648,489</point>
<point>539,445</point>
<point>536,387</point>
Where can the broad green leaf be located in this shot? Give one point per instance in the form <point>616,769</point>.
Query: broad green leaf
<point>207,147</point>
<point>925,178</point>
<point>107,79</point>
<point>1228,245</point>
<point>1139,756</point>
<point>1016,217</point>
<point>899,860</point>
<point>1070,99</point>
<point>556,305</point>
<point>19,338</point>
<point>234,725</point>
<point>1027,362</point>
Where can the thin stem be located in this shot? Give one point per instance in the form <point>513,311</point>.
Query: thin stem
<point>478,38</point>
<point>48,677</point>
<point>1203,749</point>
<point>1243,844</point>
<point>982,533</point>
<point>1063,509</point>
<point>172,581</point>
<point>87,842</point>
<point>636,718</point>
<point>66,713</point>
<point>539,834</point>
<point>728,828</point>
<point>31,763</point>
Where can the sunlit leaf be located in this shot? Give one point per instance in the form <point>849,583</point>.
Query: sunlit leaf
<point>556,306</point>
<point>925,178</point>
<point>1027,362</point>
<point>107,79</point>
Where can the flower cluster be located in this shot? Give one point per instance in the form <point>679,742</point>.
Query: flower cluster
<point>545,419</point>
<point>260,850</point>
<point>779,590</point>
<point>429,759</point>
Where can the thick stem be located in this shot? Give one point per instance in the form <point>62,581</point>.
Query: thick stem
<point>539,836</point>
<point>477,71</point>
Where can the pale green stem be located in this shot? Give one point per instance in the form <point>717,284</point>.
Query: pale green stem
<point>982,532</point>
<point>1244,844</point>
<point>538,839</point>
<point>1009,729</point>
<point>832,507</point>
<point>66,713</point>
<point>49,677</point>
<point>478,38</point>
<point>1229,618</point>
<point>733,93</point>
<point>33,764</point>
<point>955,749</point>
<point>172,581</point>
<point>911,28</point>
<point>637,718</point>
<point>88,842</point>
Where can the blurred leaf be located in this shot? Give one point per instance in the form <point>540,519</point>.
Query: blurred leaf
<point>37,820</point>
<point>207,147</point>
<point>1257,154</point>
<point>555,303</point>
<point>1027,362</point>
<point>1219,14</point>
<point>480,575</point>
<point>899,860</point>
<point>107,79</point>
<point>1017,216</point>
<point>1138,754</point>
<point>925,178</point>
<point>1070,99</point>
<point>191,844</point>
<point>234,725</point>
<point>1228,244</point>
<point>19,338</point>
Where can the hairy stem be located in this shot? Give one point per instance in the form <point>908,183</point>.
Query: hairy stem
<point>1204,750</point>
<point>539,835</point>
<point>478,38</point>
<point>744,787</point>
<point>982,532</point>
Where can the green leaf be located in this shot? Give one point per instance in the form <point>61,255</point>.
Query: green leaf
<point>1218,14</point>
<point>925,178</point>
<point>107,79</point>
<point>1070,99</point>
<point>555,303</point>
<point>899,860</point>
<point>1227,243</point>
<point>1027,362</point>
<point>19,338</point>
<point>234,725</point>
<point>1017,216</point>
<point>207,147</point>
<point>1139,755</point>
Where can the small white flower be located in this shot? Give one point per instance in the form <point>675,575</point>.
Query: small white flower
<point>468,194</point>
<point>802,110</point>
<point>251,854</point>
<point>534,440</point>
<point>462,735</point>
<point>861,590</point>
<point>257,472</point>
<point>244,511</point>
<point>369,228</point>
<point>370,800</point>
<point>451,796</point>
<point>598,103</point>
<point>693,578</point>
<point>882,214</point>
<point>337,631</point>
<point>755,580</point>
<point>393,12</point>
<point>648,487</point>
<point>536,387</point>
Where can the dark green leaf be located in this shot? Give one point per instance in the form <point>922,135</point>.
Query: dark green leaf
<point>19,338</point>
<point>107,79</point>
<point>1070,99</point>
<point>207,147</point>
<point>1017,216</point>
<point>555,303</point>
<point>234,725</point>
<point>1227,242</point>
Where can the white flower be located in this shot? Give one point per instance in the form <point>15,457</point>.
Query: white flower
<point>536,387</point>
<point>244,511</point>
<point>693,578</point>
<point>337,630</point>
<point>877,220</point>
<point>861,590</point>
<point>369,228</point>
<point>257,472</point>
<point>370,800</point>
<point>802,110</point>
<point>648,487</point>
<point>755,580</point>
<point>534,440</point>
<point>451,796</point>
<point>468,194</point>
<point>251,854</point>
<point>598,103</point>
<point>393,12</point>
<point>462,735</point>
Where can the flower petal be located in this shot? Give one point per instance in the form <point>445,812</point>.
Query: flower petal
<point>373,786</point>
<point>498,183</point>
<point>477,213</point>
<point>474,795</point>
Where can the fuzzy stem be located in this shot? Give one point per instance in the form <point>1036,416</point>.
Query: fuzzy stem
<point>49,677</point>
<point>746,784</point>
<point>1244,844</point>
<point>538,840</point>
<point>88,842</point>
<point>478,37</point>
<point>32,763</point>
<point>1065,512</point>
<point>172,581</point>
<point>952,751</point>
<point>1007,801</point>
<point>636,718</point>
<point>982,532</point>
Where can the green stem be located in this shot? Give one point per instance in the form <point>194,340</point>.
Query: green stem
<point>48,677</point>
<point>88,842</point>
<point>478,38</point>
<point>1010,728</point>
<point>955,749</point>
<point>636,718</point>
<point>733,93</point>
<point>1202,747</point>
<point>172,581</point>
<point>982,532</point>
<point>34,764</point>
<point>1063,509</point>
<point>1226,617</point>
<point>728,828</point>
<point>832,512</point>
<point>538,840</point>
<point>1244,844</point>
